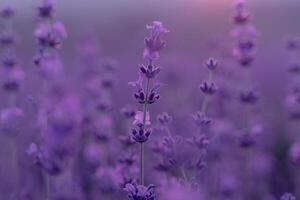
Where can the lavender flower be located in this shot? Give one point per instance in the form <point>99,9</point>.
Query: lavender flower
<point>140,192</point>
<point>7,13</point>
<point>154,43</point>
<point>140,134</point>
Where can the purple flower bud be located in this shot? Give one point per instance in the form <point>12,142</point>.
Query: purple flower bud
<point>201,119</point>
<point>293,43</point>
<point>140,96</point>
<point>212,64</point>
<point>164,118</point>
<point>245,60</point>
<point>128,159</point>
<point>246,45</point>
<point>9,61</point>
<point>150,71</point>
<point>153,96</point>
<point>140,192</point>
<point>13,80</point>
<point>201,141</point>
<point>248,97</point>
<point>7,13</point>
<point>8,39</point>
<point>294,68</point>
<point>140,134</point>
<point>241,17</point>
<point>247,140</point>
<point>46,10</point>
<point>208,88</point>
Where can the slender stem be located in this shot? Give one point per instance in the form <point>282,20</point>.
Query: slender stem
<point>204,104</point>
<point>15,164</point>
<point>142,163</point>
<point>46,186</point>
<point>183,174</point>
<point>144,125</point>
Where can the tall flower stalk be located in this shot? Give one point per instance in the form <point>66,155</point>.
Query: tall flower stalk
<point>56,104</point>
<point>147,89</point>
<point>12,76</point>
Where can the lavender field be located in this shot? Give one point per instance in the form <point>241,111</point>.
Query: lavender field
<point>150,100</point>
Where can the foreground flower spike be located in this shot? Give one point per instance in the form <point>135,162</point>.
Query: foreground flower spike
<point>147,86</point>
<point>140,192</point>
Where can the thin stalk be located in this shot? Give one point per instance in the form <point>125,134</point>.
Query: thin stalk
<point>142,163</point>
<point>204,104</point>
<point>183,174</point>
<point>142,148</point>
<point>15,164</point>
<point>46,186</point>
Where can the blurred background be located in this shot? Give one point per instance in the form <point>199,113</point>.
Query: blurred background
<point>198,29</point>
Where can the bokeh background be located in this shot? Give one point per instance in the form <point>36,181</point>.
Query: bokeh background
<point>198,29</point>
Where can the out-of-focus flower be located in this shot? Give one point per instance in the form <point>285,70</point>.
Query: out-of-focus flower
<point>129,111</point>
<point>44,160</point>
<point>8,39</point>
<point>46,9</point>
<point>7,13</point>
<point>294,153</point>
<point>248,97</point>
<point>13,80</point>
<point>11,120</point>
<point>164,119</point>
<point>201,119</point>
<point>287,196</point>
<point>92,155</point>
<point>293,43</point>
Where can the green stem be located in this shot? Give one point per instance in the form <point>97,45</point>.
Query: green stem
<point>46,185</point>
<point>142,163</point>
<point>142,148</point>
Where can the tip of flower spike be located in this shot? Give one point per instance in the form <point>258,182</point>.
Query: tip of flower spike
<point>7,13</point>
<point>211,63</point>
<point>157,26</point>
